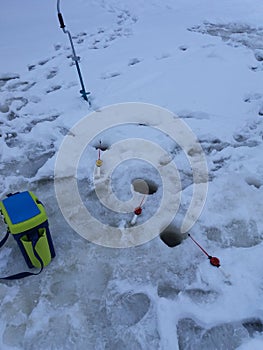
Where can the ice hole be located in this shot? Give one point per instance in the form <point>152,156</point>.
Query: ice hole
<point>144,186</point>
<point>171,237</point>
<point>103,146</point>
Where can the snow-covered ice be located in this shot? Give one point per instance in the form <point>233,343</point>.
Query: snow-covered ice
<point>201,60</point>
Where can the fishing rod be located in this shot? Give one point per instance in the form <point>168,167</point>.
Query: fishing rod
<point>75,58</point>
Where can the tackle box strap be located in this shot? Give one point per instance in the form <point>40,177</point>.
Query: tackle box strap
<point>26,273</point>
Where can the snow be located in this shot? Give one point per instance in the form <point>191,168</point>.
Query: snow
<point>113,285</point>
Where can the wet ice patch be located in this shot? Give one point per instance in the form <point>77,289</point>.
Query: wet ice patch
<point>167,290</point>
<point>198,295</point>
<point>120,344</point>
<point>236,233</point>
<point>13,335</point>
<point>224,336</point>
<point>64,292</point>
<point>28,164</point>
<point>128,309</point>
<point>242,233</point>
<point>235,34</point>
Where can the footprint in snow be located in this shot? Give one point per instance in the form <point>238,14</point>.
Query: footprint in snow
<point>52,73</point>
<point>110,75</point>
<point>33,66</point>
<point>163,56</point>
<point>53,88</point>
<point>4,78</point>
<point>17,102</point>
<point>134,61</point>
<point>183,47</point>
<point>252,97</point>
